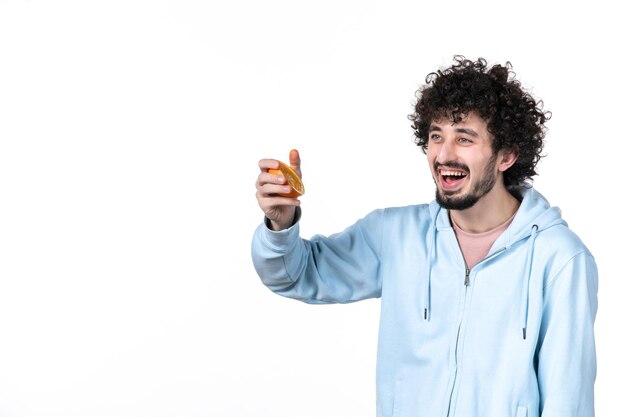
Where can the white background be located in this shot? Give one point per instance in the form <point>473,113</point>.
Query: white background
<point>129,137</point>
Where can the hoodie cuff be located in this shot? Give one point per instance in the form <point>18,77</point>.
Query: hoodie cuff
<point>279,239</point>
<point>296,219</point>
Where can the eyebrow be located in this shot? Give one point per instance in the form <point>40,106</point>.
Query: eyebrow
<point>467,132</point>
<point>471,132</point>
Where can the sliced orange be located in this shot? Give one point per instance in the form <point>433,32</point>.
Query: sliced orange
<point>297,188</point>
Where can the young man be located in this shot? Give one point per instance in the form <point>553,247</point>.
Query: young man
<point>488,298</point>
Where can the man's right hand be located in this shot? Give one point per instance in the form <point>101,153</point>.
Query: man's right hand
<point>279,210</point>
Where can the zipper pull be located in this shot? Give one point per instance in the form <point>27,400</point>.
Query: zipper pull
<point>467,281</point>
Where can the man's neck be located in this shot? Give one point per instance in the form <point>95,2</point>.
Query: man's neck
<point>492,210</point>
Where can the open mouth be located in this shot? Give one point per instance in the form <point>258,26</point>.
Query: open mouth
<point>452,179</point>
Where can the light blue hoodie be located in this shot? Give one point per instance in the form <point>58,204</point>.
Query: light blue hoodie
<point>512,337</point>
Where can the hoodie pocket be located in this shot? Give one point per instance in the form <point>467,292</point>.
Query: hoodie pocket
<point>522,411</point>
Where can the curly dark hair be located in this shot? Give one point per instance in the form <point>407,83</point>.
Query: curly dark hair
<point>513,117</point>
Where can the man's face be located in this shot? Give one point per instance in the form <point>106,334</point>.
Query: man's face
<point>462,161</point>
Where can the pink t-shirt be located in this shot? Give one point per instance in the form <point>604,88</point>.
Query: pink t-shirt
<point>475,246</point>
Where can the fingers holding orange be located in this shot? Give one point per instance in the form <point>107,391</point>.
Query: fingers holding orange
<point>278,187</point>
<point>291,176</point>
<point>280,179</point>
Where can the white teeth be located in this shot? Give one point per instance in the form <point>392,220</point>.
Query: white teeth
<point>452,173</point>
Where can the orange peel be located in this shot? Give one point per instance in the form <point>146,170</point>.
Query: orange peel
<point>294,181</point>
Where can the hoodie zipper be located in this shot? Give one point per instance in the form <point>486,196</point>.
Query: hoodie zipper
<point>466,284</point>
<point>458,337</point>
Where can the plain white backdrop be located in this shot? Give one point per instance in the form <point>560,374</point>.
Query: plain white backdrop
<point>129,138</point>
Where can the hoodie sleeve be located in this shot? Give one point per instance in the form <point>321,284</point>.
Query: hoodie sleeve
<point>341,268</point>
<point>566,359</point>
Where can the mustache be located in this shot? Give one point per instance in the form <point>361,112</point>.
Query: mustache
<point>452,164</point>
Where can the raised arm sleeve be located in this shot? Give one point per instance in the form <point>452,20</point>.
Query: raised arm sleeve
<point>341,268</point>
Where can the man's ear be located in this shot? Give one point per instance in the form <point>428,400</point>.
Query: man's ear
<point>507,159</point>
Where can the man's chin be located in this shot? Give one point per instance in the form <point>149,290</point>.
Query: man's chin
<point>451,200</point>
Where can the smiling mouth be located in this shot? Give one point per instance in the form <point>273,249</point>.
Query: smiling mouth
<point>452,179</point>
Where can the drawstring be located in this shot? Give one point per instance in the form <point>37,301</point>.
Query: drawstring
<point>526,293</point>
<point>431,250</point>
<point>526,290</point>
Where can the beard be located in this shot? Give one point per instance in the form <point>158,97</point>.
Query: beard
<point>449,201</point>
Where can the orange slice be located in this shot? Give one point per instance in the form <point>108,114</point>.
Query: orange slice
<point>297,188</point>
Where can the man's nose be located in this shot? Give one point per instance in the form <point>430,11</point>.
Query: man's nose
<point>446,152</point>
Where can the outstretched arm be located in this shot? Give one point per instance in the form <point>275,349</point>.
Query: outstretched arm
<point>341,268</point>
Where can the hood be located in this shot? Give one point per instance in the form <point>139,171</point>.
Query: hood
<point>533,211</point>
<point>533,216</point>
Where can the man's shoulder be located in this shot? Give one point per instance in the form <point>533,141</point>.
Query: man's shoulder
<point>557,247</point>
<point>416,211</point>
<point>407,219</point>
<point>560,238</point>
